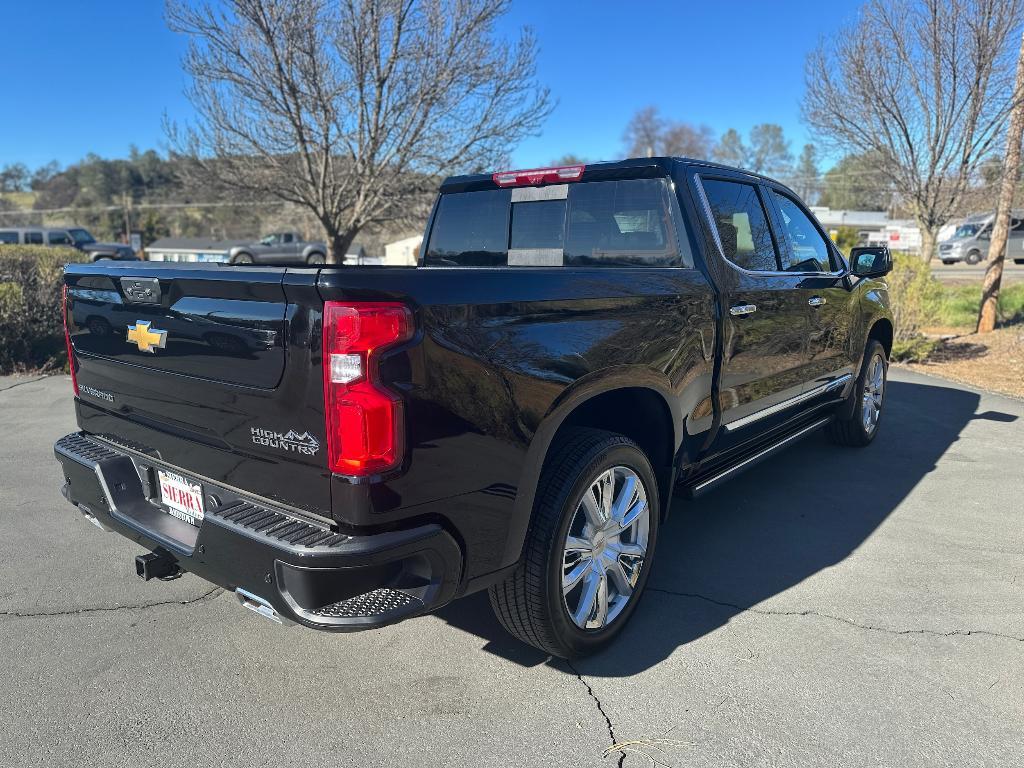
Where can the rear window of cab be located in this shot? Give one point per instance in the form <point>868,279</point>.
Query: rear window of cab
<point>623,223</point>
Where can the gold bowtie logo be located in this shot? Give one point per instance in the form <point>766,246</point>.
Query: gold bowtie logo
<point>146,339</point>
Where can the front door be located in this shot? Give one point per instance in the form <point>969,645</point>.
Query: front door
<point>764,367</point>
<point>808,255</point>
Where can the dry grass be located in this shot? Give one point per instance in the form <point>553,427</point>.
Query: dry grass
<point>992,361</point>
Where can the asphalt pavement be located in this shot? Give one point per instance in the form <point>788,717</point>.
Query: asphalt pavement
<point>830,607</point>
<point>968,273</point>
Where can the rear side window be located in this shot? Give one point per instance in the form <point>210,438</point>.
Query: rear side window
<point>34,238</point>
<point>742,225</point>
<point>631,222</point>
<point>470,230</point>
<point>8,238</point>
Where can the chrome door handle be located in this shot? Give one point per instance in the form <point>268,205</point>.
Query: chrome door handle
<point>742,309</point>
<point>816,301</point>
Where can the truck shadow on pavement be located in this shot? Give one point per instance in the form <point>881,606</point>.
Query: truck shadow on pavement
<point>771,528</point>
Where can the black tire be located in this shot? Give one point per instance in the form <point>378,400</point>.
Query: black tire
<point>853,431</point>
<point>529,603</point>
<point>974,257</point>
<point>242,258</point>
<point>947,262</point>
<point>316,258</point>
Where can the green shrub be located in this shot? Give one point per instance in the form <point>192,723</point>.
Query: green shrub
<point>915,296</point>
<point>31,323</point>
<point>915,350</point>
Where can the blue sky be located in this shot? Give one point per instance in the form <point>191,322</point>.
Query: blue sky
<point>99,77</point>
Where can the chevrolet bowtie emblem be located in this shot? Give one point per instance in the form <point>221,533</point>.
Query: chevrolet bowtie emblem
<point>146,339</point>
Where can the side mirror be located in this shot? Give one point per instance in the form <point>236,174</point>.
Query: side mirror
<point>873,261</point>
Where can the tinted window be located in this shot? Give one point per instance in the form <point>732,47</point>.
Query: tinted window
<point>742,225</point>
<point>632,222</point>
<point>470,230</point>
<point>58,238</point>
<point>624,223</point>
<point>808,251</point>
<point>288,237</point>
<point>538,224</point>
<point>8,237</point>
<point>34,238</point>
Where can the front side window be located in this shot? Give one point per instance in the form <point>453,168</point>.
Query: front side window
<point>808,251</point>
<point>742,225</point>
<point>34,238</point>
<point>81,236</point>
<point>58,238</point>
<point>9,238</point>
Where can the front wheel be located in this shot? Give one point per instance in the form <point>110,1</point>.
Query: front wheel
<point>589,548</point>
<point>974,257</point>
<point>868,394</point>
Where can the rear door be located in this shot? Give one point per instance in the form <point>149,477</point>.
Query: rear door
<point>764,369</point>
<point>211,367</point>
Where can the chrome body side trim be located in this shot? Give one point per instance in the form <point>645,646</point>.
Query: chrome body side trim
<point>795,400</point>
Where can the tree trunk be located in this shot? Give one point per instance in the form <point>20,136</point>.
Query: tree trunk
<point>1011,173</point>
<point>337,245</point>
<point>929,237</point>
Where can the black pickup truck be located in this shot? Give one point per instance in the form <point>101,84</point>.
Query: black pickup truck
<point>347,447</point>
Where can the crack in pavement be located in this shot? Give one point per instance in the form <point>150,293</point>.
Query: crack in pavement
<point>600,708</point>
<point>99,609</point>
<point>29,381</point>
<point>841,619</point>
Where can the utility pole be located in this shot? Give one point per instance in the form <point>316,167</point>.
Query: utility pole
<point>1011,175</point>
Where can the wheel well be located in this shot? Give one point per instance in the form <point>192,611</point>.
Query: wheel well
<point>640,414</point>
<point>882,332</point>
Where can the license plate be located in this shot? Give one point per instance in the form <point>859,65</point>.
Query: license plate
<point>182,498</point>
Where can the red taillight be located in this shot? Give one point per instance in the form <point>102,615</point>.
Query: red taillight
<point>536,176</point>
<point>67,341</point>
<point>364,420</point>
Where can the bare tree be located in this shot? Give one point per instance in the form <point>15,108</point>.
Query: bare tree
<point>649,134</point>
<point>924,85</point>
<point>1011,175</point>
<point>352,108</point>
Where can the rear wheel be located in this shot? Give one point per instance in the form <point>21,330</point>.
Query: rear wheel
<point>973,257</point>
<point>589,548</point>
<point>316,258</point>
<point>242,258</point>
<point>869,397</point>
<point>947,262</point>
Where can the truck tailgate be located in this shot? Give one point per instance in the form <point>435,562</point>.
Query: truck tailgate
<point>212,368</point>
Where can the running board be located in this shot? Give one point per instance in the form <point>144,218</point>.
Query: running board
<point>702,485</point>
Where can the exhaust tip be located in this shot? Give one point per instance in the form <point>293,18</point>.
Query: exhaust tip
<point>257,604</point>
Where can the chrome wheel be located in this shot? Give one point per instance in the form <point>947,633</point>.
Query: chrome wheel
<point>605,548</point>
<point>874,386</point>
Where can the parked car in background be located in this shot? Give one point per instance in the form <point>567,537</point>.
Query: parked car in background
<point>279,248</point>
<point>73,237</point>
<point>348,447</point>
<point>970,241</point>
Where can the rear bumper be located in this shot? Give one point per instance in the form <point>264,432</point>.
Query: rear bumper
<point>284,566</point>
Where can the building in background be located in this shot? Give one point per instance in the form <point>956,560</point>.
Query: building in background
<point>189,249</point>
<point>404,252</point>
